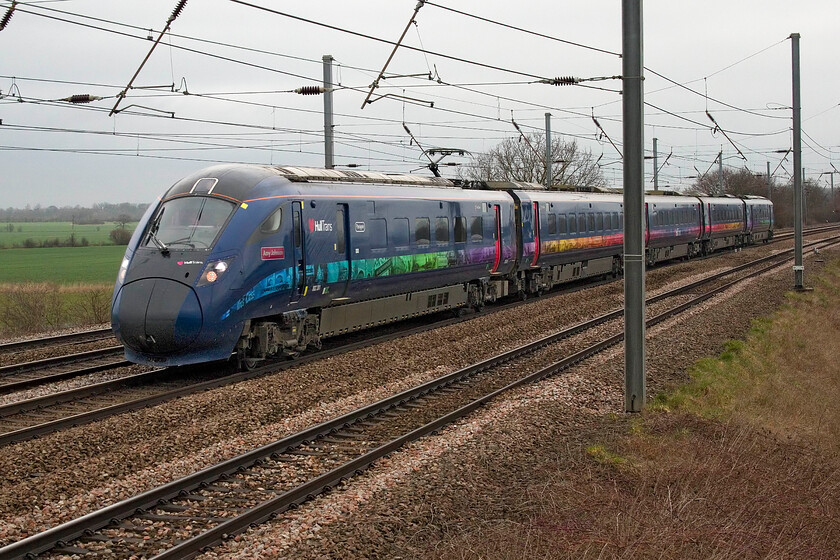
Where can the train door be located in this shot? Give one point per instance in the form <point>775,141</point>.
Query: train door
<point>342,250</point>
<point>299,250</point>
<point>497,237</point>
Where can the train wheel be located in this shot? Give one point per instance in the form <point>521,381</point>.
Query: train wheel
<point>247,364</point>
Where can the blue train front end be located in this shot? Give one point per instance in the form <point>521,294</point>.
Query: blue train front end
<point>179,268</point>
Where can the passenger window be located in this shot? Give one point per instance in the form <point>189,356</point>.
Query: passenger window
<point>476,229</point>
<point>442,230</point>
<point>572,223</point>
<point>460,229</point>
<point>562,228</point>
<point>591,217</point>
<point>581,223</point>
<point>377,233</point>
<point>615,221</point>
<point>399,232</point>
<point>422,229</point>
<point>599,221</point>
<point>552,224</point>
<point>272,223</point>
<point>339,232</point>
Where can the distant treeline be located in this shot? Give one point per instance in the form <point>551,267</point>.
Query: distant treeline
<point>96,214</point>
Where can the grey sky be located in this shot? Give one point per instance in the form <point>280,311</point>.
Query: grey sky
<point>55,153</point>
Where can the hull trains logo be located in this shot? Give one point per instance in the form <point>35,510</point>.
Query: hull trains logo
<point>319,225</point>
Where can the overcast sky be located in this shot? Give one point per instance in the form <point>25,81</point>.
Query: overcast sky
<point>237,64</point>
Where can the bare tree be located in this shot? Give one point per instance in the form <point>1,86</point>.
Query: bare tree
<point>515,160</point>
<point>737,182</point>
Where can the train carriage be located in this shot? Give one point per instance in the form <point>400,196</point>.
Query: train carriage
<point>674,227</point>
<point>567,236</point>
<point>760,218</point>
<point>724,223</point>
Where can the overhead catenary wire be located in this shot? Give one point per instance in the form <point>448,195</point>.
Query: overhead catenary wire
<point>365,122</point>
<point>386,41</point>
<point>529,32</point>
<point>553,108</point>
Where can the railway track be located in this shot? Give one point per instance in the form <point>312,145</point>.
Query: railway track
<point>16,377</point>
<point>184,517</point>
<point>39,416</point>
<point>74,338</point>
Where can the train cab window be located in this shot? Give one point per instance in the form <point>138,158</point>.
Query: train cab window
<point>193,222</point>
<point>552,224</point>
<point>460,229</point>
<point>562,228</point>
<point>599,221</point>
<point>422,231</point>
<point>442,230</point>
<point>377,229</point>
<point>272,223</point>
<point>476,229</point>
<point>399,232</point>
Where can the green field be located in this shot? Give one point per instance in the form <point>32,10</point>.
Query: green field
<point>61,265</point>
<point>42,231</point>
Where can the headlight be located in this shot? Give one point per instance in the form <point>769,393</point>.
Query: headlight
<point>213,271</point>
<point>123,269</point>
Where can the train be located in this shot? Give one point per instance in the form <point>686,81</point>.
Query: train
<point>251,262</point>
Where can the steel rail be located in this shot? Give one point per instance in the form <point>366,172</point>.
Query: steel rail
<point>72,338</point>
<point>15,369</point>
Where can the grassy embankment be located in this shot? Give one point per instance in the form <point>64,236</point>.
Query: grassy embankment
<point>743,462</point>
<point>56,287</point>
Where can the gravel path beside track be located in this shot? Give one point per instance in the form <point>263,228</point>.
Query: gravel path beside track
<point>49,480</point>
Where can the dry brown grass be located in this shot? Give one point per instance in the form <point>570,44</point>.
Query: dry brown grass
<point>37,306</point>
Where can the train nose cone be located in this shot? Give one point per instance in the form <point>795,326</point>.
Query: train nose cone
<point>158,316</point>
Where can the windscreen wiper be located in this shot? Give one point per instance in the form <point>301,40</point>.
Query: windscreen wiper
<point>153,230</point>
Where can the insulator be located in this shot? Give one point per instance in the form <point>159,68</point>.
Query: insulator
<point>177,11</point>
<point>310,90</point>
<point>565,81</point>
<point>81,98</point>
<point>5,21</point>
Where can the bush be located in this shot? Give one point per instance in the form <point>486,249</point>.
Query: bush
<point>30,308</point>
<point>93,306</point>
<point>120,236</point>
